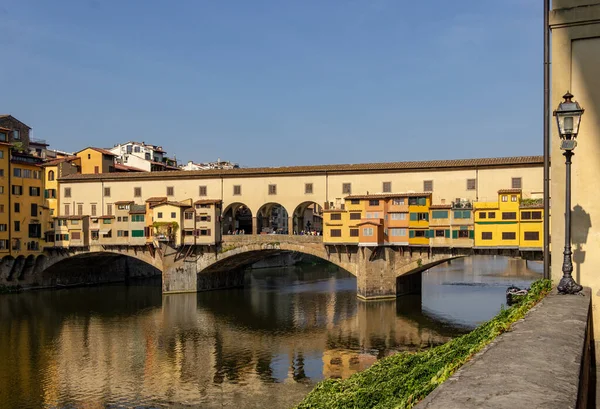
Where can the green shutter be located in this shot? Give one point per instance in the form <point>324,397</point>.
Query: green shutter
<point>457,214</point>
<point>137,233</point>
<point>427,216</point>
<point>411,234</point>
<point>421,201</point>
<point>464,227</point>
<point>46,194</point>
<point>439,214</point>
<point>414,217</point>
<point>466,214</point>
<point>447,234</point>
<point>455,234</point>
<point>471,234</point>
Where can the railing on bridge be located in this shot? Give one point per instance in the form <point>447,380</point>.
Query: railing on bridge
<point>270,238</point>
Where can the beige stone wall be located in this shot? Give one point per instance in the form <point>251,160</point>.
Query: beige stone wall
<point>575,67</point>
<point>447,186</point>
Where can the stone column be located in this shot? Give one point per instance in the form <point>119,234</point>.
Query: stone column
<point>254,225</point>
<point>375,278</point>
<point>290,225</point>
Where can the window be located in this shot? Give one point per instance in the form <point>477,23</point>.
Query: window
<point>27,173</point>
<point>137,192</point>
<point>387,187</point>
<point>202,190</point>
<point>67,192</point>
<point>35,230</point>
<point>532,235</point>
<point>525,215</point>
<point>147,156</point>
<point>355,216</point>
<point>1,208</point>
<point>335,216</point>
<point>106,192</point>
<point>126,218</point>
<point>504,198</point>
<point>188,216</point>
<point>205,232</point>
<point>2,136</point>
<point>482,215</point>
<point>513,198</point>
<point>439,214</point>
<point>3,227</point>
<point>109,209</point>
<point>67,209</point>
<point>95,235</point>
<point>516,183</point>
<point>76,235</point>
<point>1,154</point>
<point>17,225</point>
<point>237,190</point>
<point>420,233</point>
<point>336,233</point>
<point>419,217</point>
<point>34,210</point>
<point>537,215</point>
<point>137,233</point>
<point>62,222</point>
<point>509,216</point>
<point>471,184</point>
<point>354,201</point>
<point>272,189</point>
<point>16,135</point>
<point>1,189</point>
<point>75,222</point>
<point>428,186</point>
<point>367,231</point>
<point>170,191</point>
<point>137,218</point>
<point>106,221</point>
<point>17,190</point>
<point>136,149</point>
<point>96,168</point>
<point>173,215</point>
<point>93,205</point>
<point>464,234</point>
<point>398,216</point>
<point>373,202</point>
<point>491,215</point>
<point>373,215</point>
<point>486,235</point>
<point>1,171</point>
<point>122,233</point>
<point>418,201</point>
<point>3,244</point>
<point>440,233</point>
<point>308,188</point>
<point>37,174</point>
<point>123,207</point>
<point>353,232</point>
<point>462,214</point>
<point>17,172</point>
<point>159,215</point>
<point>398,232</point>
<point>16,244</point>
<point>398,201</point>
<point>347,188</point>
<point>34,191</point>
<point>17,208</point>
<point>509,235</point>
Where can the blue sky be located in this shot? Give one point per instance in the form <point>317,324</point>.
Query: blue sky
<point>270,82</point>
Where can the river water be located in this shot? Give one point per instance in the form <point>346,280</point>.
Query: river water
<point>264,346</point>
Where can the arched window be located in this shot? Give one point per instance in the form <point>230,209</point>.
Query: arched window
<point>51,175</point>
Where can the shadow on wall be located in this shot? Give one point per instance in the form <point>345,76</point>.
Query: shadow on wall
<point>579,237</point>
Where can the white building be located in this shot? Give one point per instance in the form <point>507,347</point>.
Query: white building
<point>150,158</point>
<point>219,164</point>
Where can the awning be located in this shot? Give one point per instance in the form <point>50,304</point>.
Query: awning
<point>105,231</point>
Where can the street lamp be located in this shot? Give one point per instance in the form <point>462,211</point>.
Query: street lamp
<point>568,117</point>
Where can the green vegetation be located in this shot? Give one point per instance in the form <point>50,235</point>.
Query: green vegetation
<point>402,380</point>
<point>531,202</point>
<point>6,289</point>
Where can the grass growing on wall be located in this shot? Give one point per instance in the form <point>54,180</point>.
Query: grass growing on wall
<point>402,380</point>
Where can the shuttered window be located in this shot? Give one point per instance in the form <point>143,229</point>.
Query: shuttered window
<point>532,235</point>
<point>439,214</point>
<point>336,233</point>
<point>486,235</point>
<point>509,235</point>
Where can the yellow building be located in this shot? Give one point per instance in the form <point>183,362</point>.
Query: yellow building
<point>96,160</point>
<point>418,209</point>
<point>26,204</point>
<point>531,236</point>
<point>4,193</point>
<point>497,223</point>
<point>168,222</point>
<point>71,231</point>
<point>338,228</point>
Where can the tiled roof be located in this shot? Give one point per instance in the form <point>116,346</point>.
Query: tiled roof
<point>387,195</point>
<point>102,151</point>
<point>376,222</point>
<point>119,166</point>
<point>207,201</point>
<point>176,204</point>
<point>156,199</point>
<point>334,210</point>
<point>2,116</point>
<point>509,191</point>
<point>137,209</point>
<point>55,162</point>
<point>123,202</point>
<point>441,206</point>
<point>104,217</point>
<point>71,217</point>
<point>348,168</point>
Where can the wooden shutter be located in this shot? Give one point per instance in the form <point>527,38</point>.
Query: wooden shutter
<point>455,234</point>
<point>471,234</point>
<point>447,234</point>
<point>411,234</point>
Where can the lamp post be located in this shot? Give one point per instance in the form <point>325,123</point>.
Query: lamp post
<point>568,117</point>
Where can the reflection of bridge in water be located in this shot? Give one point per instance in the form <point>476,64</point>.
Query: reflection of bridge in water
<point>186,347</point>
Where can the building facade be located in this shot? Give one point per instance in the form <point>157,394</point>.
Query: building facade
<point>143,156</point>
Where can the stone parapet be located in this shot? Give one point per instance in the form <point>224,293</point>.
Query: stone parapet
<point>543,362</point>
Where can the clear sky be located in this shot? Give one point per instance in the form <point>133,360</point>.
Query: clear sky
<point>272,82</point>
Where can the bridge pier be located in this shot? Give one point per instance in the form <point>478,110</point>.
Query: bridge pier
<point>375,274</point>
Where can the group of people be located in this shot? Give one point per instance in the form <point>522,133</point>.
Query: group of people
<point>308,233</point>
<point>236,232</point>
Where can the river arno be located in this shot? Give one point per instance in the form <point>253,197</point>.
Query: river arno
<point>264,346</point>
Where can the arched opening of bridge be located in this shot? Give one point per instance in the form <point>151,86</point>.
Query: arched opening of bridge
<point>237,218</point>
<point>308,218</point>
<point>272,218</point>
<point>92,268</point>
